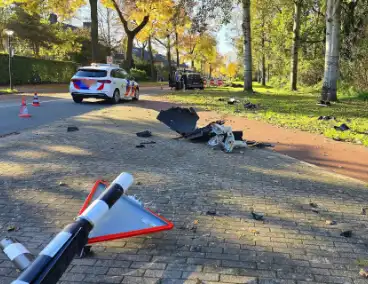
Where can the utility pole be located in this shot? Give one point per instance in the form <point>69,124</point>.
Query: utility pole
<point>10,33</point>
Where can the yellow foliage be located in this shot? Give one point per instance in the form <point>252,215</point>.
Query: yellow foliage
<point>64,8</point>
<point>231,69</point>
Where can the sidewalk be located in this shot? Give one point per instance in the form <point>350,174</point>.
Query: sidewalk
<point>182,181</point>
<point>343,158</point>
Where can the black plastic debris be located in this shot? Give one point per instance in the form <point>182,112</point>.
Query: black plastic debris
<point>144,134</point>
<point>364,211</point>
<point>315,211</point>
<point>12,228</point>
<point>261,145</point>
<point>140,146</point>
<point>347,234</point>
<point>148,143</point>
<point>203,134</point>
<point>258,217</point>
<point>9,134</point>
<point>312,204</point>
<point>222,100</point>
<point>181,120</point>
<point>249,105</point>
<point>337,139</point>
<point>72,129</point>
<point>342,127</point>
<point>326,117</point>
<point>211,212</point>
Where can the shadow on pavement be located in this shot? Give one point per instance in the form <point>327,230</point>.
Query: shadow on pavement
<point>182,181</point>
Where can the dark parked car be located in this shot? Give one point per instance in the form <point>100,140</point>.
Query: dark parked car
<point>190,79</point>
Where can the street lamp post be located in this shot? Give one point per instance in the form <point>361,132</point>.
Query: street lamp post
<point>10,34</point>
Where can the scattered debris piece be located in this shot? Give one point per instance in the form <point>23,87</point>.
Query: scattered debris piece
<point>364,272</point>
<point>182,228</point>
<point>342,127</point>
<point>326,117</point>
<point>258,217</point>
<point>324,103</point>
<point>12,228</point>
<point>144,134</point>
<point>72,129</point>
<point>312,204</point>
<point>181,120</point>
<point>331,222</point>
<point>138,183</point>
<point>211,212</point>
<point>249,105</point>
<point>315,211</point>
<point>364,211</point>
<point>233,101</point>
<point>261,145</point>
<point>148,143</point>
<point>337,139</point>
<point>222,100</point>
<point>347,234</point>
<point>195,222</point>
<point>62,184</point>
<point>140,146</point>
<point>9,134</point>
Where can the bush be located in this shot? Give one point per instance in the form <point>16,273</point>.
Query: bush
<point>26,70</point>
<point>139,75</point>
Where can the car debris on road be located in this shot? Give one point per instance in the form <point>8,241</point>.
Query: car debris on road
<point>216,134</point>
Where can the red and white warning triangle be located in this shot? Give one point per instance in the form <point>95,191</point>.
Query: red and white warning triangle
<point>126,218</point>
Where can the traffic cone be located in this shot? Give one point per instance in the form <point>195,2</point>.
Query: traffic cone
<point>35,102</point>
<point>23,109</point>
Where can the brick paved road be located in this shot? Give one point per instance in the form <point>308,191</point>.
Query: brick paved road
<point>182,181</point>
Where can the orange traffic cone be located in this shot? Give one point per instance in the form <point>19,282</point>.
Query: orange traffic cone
<point>23,109</point>
<point>35,102</point>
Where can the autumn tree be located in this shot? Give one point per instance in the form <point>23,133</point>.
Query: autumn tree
<point>231,70</point>
<point>134,15</point>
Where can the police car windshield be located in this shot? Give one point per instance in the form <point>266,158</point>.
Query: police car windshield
<point>93,73</point>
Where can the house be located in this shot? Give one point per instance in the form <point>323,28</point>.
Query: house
<point>53,19</point>
<point>159,60</point>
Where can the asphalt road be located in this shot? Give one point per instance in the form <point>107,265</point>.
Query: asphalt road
<point>53,107</point>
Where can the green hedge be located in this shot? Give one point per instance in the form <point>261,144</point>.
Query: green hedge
<point>27,70</point>
<point>139,75</point>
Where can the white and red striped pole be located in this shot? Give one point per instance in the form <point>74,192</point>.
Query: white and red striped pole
<point>54,259</point>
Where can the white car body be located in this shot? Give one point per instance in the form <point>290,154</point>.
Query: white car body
<point>103,81</point>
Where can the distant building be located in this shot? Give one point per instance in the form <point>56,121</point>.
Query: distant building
<point>53,19</point>
<point>159,60</point>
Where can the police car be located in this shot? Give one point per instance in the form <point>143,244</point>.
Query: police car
<point>103,81</point>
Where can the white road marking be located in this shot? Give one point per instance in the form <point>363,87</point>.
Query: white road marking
<point>42,102</point>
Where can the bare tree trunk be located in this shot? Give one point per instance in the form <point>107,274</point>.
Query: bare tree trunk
<point>151,58</point>
<point>263,61</point>
<point>108,23</point>
<point>169,53</point>
<point>192,64</point>
<point>247,46</point>
<point>129,51</point>
<point>177,49</point>
<point>333,20</point>
<point>94,28</point>
<point>295,47</point>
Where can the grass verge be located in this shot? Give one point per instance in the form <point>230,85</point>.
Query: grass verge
<point>8,91</point>
<point>296,110</point>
